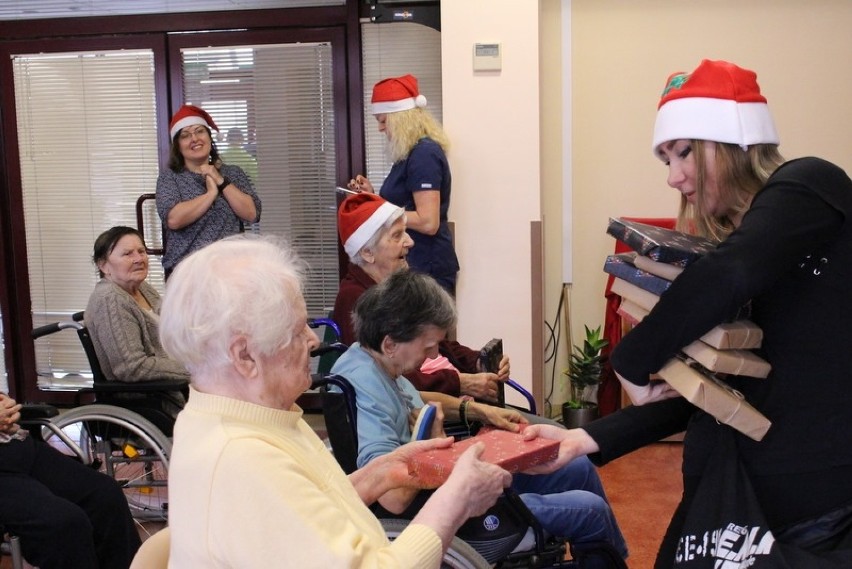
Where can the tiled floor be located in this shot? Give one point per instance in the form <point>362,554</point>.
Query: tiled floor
<point>644,489</point>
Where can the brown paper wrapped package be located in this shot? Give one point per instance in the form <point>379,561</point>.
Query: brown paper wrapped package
<point>716,398</point>
<point>734,362</point>
<point>737,335</point>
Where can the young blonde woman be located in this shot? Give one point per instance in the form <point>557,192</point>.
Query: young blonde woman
<point>419,180</point>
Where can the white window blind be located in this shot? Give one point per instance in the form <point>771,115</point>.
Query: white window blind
<point>392,50</point>
<point>279,97</point>
<point>88,148</point>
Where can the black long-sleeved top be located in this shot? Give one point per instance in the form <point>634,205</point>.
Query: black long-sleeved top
<point>791,257</point>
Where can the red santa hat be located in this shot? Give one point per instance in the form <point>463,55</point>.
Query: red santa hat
<point>396,94</point>
<point>359,218</point>
<point>189,115</point>
<point>719,102</point>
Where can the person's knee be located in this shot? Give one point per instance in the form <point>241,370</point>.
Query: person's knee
<point>70,522</point>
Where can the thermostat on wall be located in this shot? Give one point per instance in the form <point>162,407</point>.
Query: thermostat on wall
<point>487,57</point>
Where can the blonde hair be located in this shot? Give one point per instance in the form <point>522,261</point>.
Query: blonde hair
<point>739,176</point>
<point>408,127</point>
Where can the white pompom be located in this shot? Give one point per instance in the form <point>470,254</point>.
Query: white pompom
<point>420,101</point>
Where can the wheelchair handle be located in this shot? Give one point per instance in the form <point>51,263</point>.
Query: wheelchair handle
<point>53,328</point>
<point>317,322</point>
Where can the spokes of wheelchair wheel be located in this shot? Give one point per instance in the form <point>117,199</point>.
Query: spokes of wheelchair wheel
<point>127,458</point>
<point>141,474</point>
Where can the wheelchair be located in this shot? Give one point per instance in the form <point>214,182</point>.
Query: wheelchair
<point>507,536</point>
<point>125,441</point>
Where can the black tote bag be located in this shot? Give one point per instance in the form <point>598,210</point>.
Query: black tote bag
<point>725,527</point>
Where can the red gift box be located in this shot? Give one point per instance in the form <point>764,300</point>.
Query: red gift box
<point>504,448</point>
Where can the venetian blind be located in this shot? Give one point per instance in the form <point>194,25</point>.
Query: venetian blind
<point>278,100</point>
<point>88,148</point>
<point>391,50</point>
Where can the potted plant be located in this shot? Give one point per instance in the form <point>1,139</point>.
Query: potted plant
<point>583,373</point>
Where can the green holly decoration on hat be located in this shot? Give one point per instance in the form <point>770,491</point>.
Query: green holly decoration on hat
<point>676,82</point>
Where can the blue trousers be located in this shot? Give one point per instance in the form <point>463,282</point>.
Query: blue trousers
<point>571,504</point>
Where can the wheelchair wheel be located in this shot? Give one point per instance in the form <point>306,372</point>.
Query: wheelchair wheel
<point>458,556</point>
<point>125,446</point>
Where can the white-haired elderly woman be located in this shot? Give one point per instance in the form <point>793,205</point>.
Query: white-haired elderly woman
<point>251,485</point>
<point>374,236</point>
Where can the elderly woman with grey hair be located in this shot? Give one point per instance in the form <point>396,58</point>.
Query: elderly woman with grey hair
<point>250,483</point>
<point>399,323</point>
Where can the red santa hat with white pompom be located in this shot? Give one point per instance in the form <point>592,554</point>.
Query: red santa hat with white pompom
<point>397,94</point>
<point>189,115</point>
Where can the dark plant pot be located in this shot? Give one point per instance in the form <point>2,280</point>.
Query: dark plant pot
<point>573,418</point>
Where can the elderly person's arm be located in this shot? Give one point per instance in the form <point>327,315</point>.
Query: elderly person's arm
<point>390,471</point>
<point>507,419</point>
<point>472,487</point>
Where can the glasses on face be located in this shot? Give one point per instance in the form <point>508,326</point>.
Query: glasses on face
<point>188,133</point>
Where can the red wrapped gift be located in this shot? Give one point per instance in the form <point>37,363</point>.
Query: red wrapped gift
<point>504,448</point>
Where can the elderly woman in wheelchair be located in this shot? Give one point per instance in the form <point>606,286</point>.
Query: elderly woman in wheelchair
<point>122,317</point>
<point>373,234</point>
<point>399,323</point>
<point>251,485</point>
<point>64,513</point>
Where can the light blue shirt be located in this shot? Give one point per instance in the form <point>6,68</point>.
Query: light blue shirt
<point>383,402</point>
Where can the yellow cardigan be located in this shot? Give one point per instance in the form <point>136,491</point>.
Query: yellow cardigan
<point>251,486</point>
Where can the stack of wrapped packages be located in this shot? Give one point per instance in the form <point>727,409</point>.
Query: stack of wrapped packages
<point>658,256</point>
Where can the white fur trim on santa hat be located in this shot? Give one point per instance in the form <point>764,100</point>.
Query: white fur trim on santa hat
<point>367,229</point>
<point>716,120</point>
<point>385,107</point>
<point>187,121</point>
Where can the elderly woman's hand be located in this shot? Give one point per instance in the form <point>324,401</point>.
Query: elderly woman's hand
<point>506,419</point>
<point>479,385</point>
<point>477,483</point>
<point>10,414</point>
<point>503,372</point>
<point>396,464</point>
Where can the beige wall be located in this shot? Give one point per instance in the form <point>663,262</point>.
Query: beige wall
<point>492,119</point>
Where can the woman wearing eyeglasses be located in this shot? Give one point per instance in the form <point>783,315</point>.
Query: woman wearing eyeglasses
<point>200,199</point>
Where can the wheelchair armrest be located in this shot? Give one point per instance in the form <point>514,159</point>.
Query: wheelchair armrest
<point>524,393</point>
<point>34,411</point>
<point>324,348</point>
<point>142,387</point>
<point>35,417</point>
<point>139,386</point>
